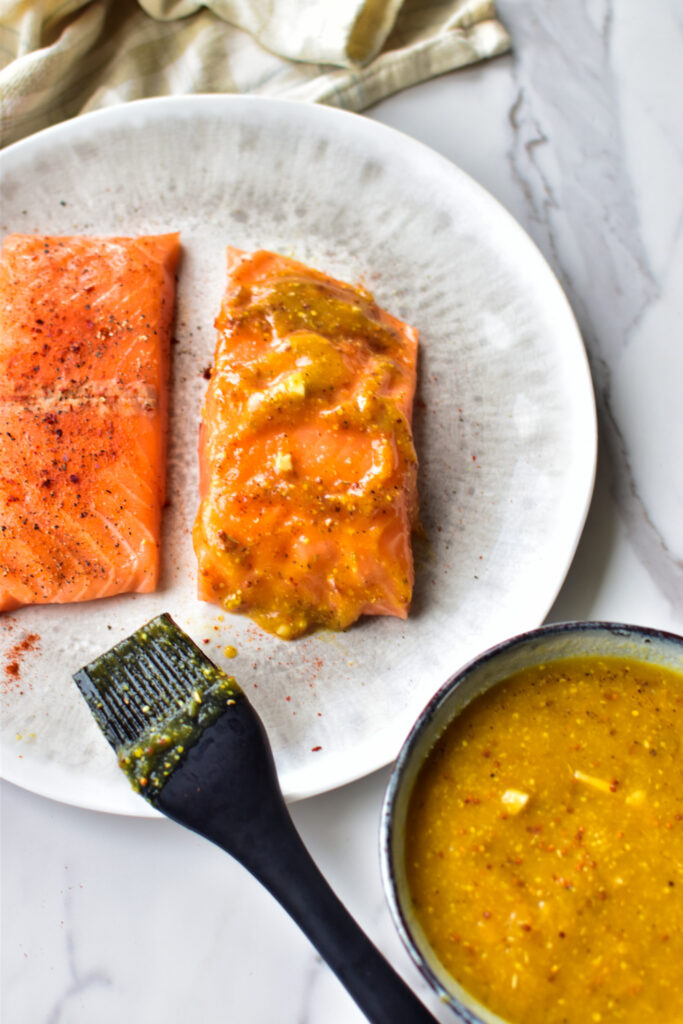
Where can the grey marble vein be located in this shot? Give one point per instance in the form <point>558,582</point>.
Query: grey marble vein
<point>567,154</point>
<point>79,981</point>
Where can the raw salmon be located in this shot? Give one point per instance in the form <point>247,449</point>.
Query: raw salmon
<point>85,329</point>
<point>308,470</point>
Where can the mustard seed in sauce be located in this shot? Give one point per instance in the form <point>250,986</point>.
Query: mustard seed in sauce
<point>544,845</point>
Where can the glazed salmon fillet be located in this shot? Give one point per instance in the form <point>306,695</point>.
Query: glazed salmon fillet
<point>307,465</point>
<point>85,328</point>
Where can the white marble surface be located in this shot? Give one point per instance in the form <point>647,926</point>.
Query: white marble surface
<point>579,134</point>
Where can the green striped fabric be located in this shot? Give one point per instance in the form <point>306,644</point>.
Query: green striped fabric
<point>61,58</point>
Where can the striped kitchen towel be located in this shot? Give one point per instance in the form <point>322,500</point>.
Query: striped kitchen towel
<point>60,58</point>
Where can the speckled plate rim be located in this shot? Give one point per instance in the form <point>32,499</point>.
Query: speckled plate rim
<point>429,966</point>
<point>339,770</point>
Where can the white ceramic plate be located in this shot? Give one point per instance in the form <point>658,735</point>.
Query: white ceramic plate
<point>504,423</point>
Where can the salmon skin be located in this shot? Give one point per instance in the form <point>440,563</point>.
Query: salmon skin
<point>85,328</point>
<point>307,465</point>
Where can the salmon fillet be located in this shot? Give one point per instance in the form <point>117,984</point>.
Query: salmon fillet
<point>307,466</point>
<point>85,329</point>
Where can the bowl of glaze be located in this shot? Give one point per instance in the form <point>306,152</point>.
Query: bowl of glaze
<point>558,854</point>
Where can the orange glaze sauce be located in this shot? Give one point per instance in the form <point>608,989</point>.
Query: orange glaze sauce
<point>308,470</point>
<point>544,845</point>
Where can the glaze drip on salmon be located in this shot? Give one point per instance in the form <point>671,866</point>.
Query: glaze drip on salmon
<point>84,355</point>
<point>307,465</point>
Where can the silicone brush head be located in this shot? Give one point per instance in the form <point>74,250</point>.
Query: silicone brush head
<point>153,695</point>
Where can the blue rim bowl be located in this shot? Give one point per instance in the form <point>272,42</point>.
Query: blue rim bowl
<point>543,645</point>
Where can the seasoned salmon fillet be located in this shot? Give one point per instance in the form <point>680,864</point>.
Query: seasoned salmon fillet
<point>85,328</point>
<point>307,466</point>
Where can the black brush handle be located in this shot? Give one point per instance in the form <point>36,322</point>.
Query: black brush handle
<point>226,789</point>
<point>294,879</point>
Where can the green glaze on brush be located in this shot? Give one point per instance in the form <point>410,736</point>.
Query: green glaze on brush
<point>153,695</point>
<point>150,759</point>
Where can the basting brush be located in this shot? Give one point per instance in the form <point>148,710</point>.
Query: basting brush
<point>192,745</point>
